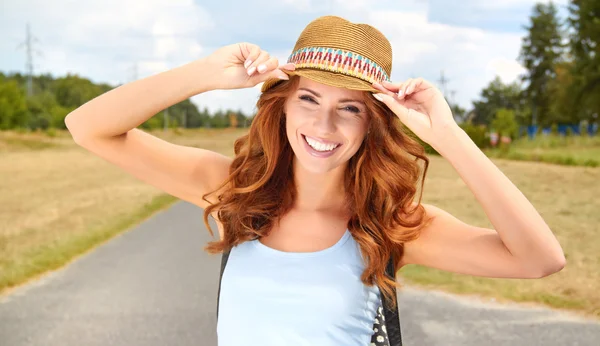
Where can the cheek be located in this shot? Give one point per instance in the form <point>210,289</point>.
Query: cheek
<point>356,128</point>
<point>292,123</point>
<point>296,118</point>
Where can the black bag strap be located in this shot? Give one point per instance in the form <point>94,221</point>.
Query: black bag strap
<point>392,319</point>
<point>224,259</point>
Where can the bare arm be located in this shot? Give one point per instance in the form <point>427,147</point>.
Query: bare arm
<point>106,126</point>
<point>521,245</point>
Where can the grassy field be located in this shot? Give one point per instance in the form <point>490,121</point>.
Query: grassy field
<point>567,150</point>
<point>59,201</point>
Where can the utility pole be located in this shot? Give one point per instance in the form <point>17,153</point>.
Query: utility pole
<point>452,96</point>
<point>443,81</point>
<point>29,50</point>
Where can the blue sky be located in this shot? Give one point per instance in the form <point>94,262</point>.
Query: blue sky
<point>114,41</point>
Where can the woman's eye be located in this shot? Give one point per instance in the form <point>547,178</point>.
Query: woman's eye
<point>307,98</point>
<point>352,109</point>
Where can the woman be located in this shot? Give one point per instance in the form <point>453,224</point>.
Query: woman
<point>321,192</point>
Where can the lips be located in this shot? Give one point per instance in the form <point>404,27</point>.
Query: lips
<point>316,153</point>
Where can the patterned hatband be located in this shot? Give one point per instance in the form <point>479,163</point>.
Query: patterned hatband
<point>339,61</point>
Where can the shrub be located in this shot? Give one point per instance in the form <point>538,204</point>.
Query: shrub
<point>51,132</point>
<point>477,133</point>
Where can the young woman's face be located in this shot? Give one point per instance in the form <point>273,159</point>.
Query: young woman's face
<point>325,125</point>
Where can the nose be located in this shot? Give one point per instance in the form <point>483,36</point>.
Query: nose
<point>325,122</point>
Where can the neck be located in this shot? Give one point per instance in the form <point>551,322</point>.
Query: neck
<point>319,191</point>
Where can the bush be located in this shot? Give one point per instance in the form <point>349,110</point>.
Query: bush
<point>51,132</point>
<point>477,133</point>
<point>505,124</point>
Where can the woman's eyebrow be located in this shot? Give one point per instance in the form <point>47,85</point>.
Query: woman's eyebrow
<point>311,91</point>
<point>351,100</point>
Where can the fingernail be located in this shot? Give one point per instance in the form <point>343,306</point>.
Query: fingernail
<point>378,97</point>
<point>400,93</point>
<point>247,63</point>
<point>284,77</point>
<point>251,70</point>
<point>262,68</point>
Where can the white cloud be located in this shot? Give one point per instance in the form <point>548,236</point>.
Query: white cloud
<point>92,38</point>
<point>507,69</point>
<point>469,57</point>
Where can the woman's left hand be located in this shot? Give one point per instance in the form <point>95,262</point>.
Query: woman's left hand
<point>420,106</point>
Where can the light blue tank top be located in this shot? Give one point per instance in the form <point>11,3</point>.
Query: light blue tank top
<point>270,297</point>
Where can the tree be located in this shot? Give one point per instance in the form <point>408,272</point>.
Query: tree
<point>73,91</point>
<point>498,95</point>
<point>219,120</point>
<point>45,112</point>
<point>563,106</point>
<point>585,51</point>
<point>13,106</point>
<point>541,50</point>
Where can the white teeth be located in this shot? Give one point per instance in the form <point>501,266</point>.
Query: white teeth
<point>320,146</point>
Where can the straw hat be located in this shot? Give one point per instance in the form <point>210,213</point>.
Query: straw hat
<point>334,51</point>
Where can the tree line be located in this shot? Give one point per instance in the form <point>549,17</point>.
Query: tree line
<point>52,99</point>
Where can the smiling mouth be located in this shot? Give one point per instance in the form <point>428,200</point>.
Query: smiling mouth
<point>319,147</point>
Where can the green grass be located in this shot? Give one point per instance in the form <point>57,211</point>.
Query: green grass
<point>567,150</point>
<point>425,277</point>
<point>15,143</point>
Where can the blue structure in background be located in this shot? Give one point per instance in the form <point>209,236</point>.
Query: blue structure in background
<point>591,129</point>
<point>562,129</point>
<point>531,131</point>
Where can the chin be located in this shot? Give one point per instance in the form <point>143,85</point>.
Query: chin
<point>314,164</point>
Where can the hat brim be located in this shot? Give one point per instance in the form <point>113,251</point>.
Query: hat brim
<point>324,77</point>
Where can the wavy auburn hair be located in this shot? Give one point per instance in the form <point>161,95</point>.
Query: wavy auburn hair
<point>380,183</point>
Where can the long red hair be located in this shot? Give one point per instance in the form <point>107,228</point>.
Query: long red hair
<point>380,184</point>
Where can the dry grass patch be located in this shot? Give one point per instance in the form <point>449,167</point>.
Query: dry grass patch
<point>58,200</point>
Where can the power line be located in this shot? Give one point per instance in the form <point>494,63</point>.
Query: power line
<point>29,50</point>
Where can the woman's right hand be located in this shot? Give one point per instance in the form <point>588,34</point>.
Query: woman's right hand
<point>244,65</point>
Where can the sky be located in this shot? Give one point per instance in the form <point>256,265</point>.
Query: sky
<point>117,41</point>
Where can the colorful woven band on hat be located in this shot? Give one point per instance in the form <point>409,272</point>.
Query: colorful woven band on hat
<point>339,61</point>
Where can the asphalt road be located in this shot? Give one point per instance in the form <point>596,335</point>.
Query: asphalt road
<point>154,285</point>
